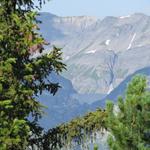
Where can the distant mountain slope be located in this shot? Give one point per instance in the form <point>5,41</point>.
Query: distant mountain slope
<point>99,54</point>
<point>67,104</point>
<point>61,107</point>
<point>121,88</point>
<point>101,57</point>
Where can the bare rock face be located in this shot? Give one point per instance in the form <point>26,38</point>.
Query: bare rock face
<point>99,54</point>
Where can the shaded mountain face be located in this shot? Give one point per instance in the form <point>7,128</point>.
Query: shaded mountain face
<point>61,107</point>
<point>99,54</point>
<point>66,104</point>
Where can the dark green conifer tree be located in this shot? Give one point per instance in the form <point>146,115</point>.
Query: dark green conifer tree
<point>22,76</point>
<point>129,124</point>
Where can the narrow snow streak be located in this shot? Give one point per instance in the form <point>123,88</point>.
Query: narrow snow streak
<point>110,88</point>
<point>67,57</point>
<point>107,42</point>
<point>123,17</point>
<point>92,51</point>
<point>133,38</point>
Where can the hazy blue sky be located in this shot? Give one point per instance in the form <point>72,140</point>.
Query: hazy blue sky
<point>98,8</point>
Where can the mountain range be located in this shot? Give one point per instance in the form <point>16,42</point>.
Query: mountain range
<point>101,56</point>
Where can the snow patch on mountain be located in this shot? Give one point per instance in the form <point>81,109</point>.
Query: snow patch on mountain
<point>110,88</point>
<point>131,42</point>
<point>67,57</point>
<point>91,52</point>
<point>123,17</point>
<point>107,42</point>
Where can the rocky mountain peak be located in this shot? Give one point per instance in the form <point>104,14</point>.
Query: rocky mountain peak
<point>97,51</point>
<point>78,22</point>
